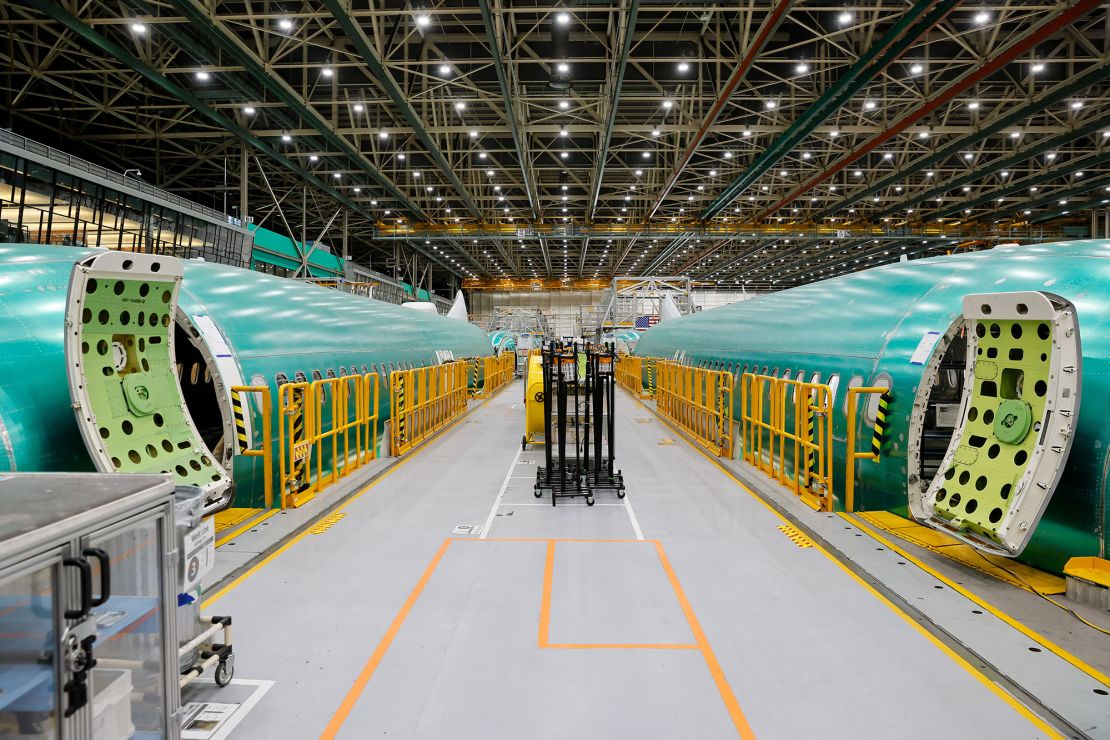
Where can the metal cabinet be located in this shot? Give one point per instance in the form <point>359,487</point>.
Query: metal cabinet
<point>88,644</point>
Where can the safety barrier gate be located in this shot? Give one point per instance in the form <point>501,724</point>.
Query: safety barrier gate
<point>786,431</point>
<point>497,373</point>
<point>876,439</point>
<point>630,375</point>
<point>699,401</point>
<point>423,401</point>
<point>243,445</point>
<point>327,428</point>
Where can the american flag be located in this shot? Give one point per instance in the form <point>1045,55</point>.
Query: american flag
<point>645,322</point>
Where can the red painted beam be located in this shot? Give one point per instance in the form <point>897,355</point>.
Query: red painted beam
<point>1061,20</point>
<point>770,25</point>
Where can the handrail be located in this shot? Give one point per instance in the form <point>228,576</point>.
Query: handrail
<point>331,426</point>
<point>498,372</point>
<point>698,400</point>
<point>764,403</point>
<point>266,452</point>
<point>852,453</point>
<point>423,401</point>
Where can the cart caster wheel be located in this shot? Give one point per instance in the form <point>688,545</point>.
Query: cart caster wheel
<point>590,501</point>
<point>224,673</point>
<point>620,494</point>
<point>524,442</point>
<point>537,494</point>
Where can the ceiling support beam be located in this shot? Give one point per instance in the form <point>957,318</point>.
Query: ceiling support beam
<point>1009,117</point>
<point>519,140</point>
<point>1057,22</point>
<point>200,20</point>
<point>770,24</point>
<point>94,39</point>
<point>341,12</point>
<point>912,26</point>
<point>627,32</point>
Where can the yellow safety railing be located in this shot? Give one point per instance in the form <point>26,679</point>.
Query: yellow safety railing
<point>630,375</point>
<point>852,453</point>
<point>327,429</point>
<point>796,452</point>
<point>699,401</point>
<point>498,372</point>
<point>244,448</point>
<point>423,401</point>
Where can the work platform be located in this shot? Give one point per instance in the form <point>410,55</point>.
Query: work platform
<point>692,608</point>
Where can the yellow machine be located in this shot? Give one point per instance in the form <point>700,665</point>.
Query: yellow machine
<point>533,401</point>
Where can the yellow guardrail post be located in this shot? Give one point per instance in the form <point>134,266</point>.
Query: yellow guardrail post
<point>266,452</point>
<point>852,453</point>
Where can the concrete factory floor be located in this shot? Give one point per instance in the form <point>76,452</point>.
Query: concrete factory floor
<point>690,609</point>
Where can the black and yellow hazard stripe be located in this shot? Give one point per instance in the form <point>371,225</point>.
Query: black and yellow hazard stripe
<point>300,462</point>
<point>810,457</point>
<point>881,423</point>
<point>400,390</point>
<point>240,421</point>
<point>650,389</point>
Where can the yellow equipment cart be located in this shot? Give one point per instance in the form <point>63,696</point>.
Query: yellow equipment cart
<point>533,402</point>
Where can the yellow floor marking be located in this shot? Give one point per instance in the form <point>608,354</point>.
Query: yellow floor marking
<point>1038,638</point>
<point>994,566</point>
<point>795,536</point>
<point>251,524</point>
<point>230,517</point>
<point>327,522</point>
<point>982,679</point>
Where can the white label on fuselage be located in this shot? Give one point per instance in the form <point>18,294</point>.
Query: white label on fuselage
<point>925,348</point>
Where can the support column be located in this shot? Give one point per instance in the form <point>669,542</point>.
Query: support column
<point>345,253</point>
<point>244,169</point>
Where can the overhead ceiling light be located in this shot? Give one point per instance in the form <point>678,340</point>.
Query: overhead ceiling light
<point>844,18</point>
<point>563,155</point>
<point>834,134</point>
<point>982,17</point>
<point>667,104</point>
<point>655,132</point>
<point>917,69</point>
<point>202,76</point>
<point>383,135</point>
<point>802,68</point>
<point>973,105</point>
<point>1015,134</point>
<point>562,67</point>
<point>336,175</point>
<point>460,105</point>
<point>445,69</point>
<point>248,110</point>
<point>482,155</point>
<point>358,107</point>
<point>423,20</point>
<point>923,135</point>
<point>1076,104</point>
<point>806,155</point>
<point>285,24</point>
<point>639,172</point>
<point>770,105</point>
<point>562,18</point>
<point>858,173</point>
<point>683,66</point>
<point>489,173</point>
<point>138,28</point>
<point>401,156</point>
<point>327,72</point>
<point>564,104</point>
<point>286,138</point>
<point>416,174</point>
<point>712,173</point>
<point>313,158</point>
<point>646,155</point>
<point>1037,67</point>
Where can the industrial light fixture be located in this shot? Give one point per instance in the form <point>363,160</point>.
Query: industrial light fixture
<point>445,69</point>
<point>358,107</point>
<point>401,156</point>
<point>1037,67</point>
<point>383,135</point>
<point>474,134</point>
<point>313,158</point>
<point>562,18</point>
<point>869,105</point>
<point>285,24</point>
<point>667,104</point>
<point>770,105</point>
<point>655,132</point>
<point>982,17</point>
<point>564,104</point>
<point>327,72</point>
<point>802,68</point>
<point>286,138</point>
<point>973,105</point>
<point>917,69</point>
<point>683,66</point>
<point>202,75</point>
<point>138,28</point>
<point>248,110</point>
<point>844,18</point>
<point>423,20</point>
<point>562,67</point>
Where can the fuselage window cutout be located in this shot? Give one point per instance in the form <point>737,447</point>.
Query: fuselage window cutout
<point>365,371</point>
<point>787,373</point>
<point>883,381</point>
<point>281,379</point>
<point>316,375</point>
<point>342,371</point>
<point>834,384</point>
<point>856,381</point>
<point>775,373</point>
<point>801,377</point>
<point>814,380</point>
<point>331,373</point>
<point>300,377</point>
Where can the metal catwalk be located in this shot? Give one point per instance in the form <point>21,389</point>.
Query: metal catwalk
<point>689,609</point>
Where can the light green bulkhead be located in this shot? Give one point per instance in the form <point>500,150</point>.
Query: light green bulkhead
<point>865,328</point>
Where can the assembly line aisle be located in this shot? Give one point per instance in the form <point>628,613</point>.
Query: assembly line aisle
<point>685,613</point>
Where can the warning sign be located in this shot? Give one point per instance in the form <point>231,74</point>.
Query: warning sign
<point>200,553</point>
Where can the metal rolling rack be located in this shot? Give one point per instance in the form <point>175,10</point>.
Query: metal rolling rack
<point>578,414</point>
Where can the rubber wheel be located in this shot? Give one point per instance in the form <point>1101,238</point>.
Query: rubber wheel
<point>224,674</point>
<point>524,442</point>
<point>537,493</point>
<point>590,501</point>
<point>620,494</point>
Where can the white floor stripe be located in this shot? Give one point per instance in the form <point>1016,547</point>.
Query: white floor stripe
<point>548,505</point>
<point>500,495</point>
<point>632,517</point>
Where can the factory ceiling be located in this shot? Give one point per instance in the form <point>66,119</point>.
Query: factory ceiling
<point>763,143</point>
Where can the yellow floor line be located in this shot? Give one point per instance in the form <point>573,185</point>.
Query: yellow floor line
<point>1028,578</point>
<point>249,525</point>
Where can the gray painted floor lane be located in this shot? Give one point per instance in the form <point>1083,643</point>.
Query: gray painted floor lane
<point>807,650</point>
